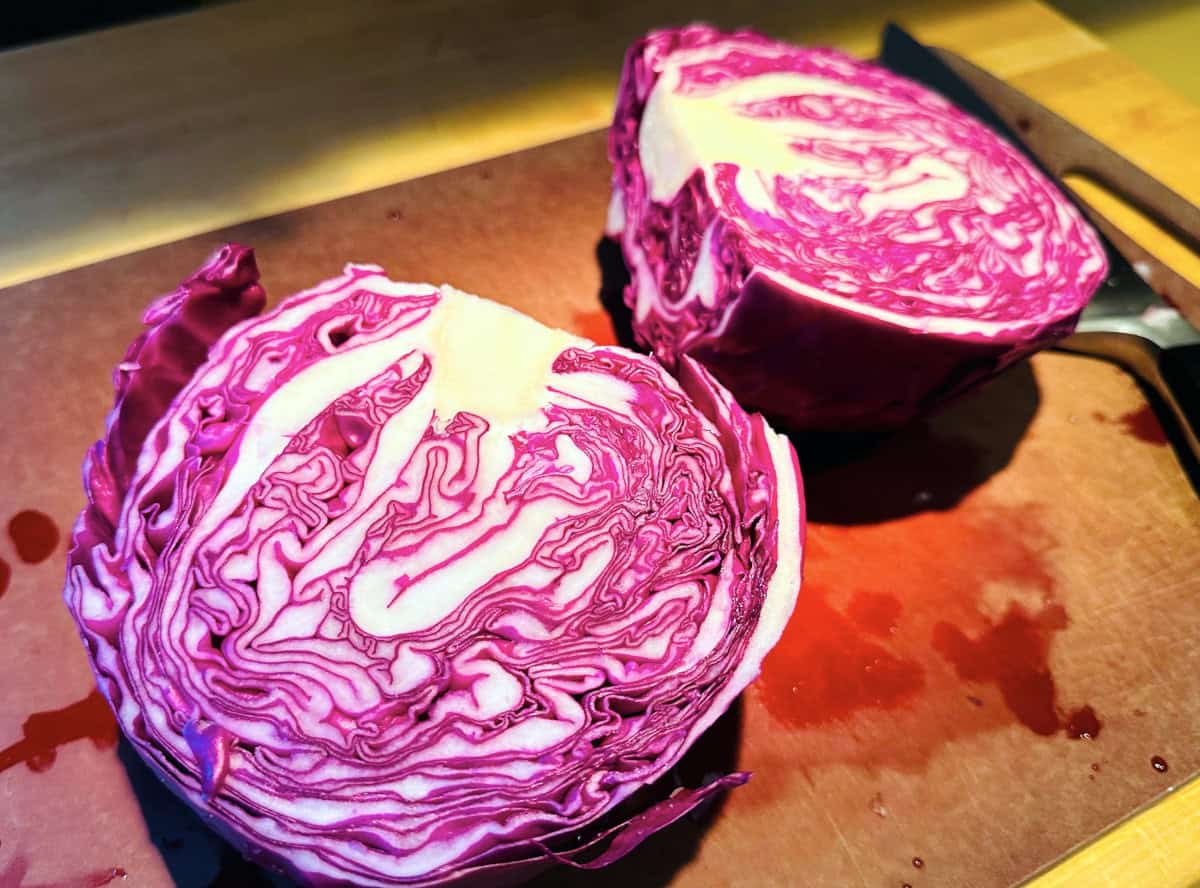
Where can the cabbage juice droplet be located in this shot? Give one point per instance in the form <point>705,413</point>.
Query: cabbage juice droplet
<point>34,534</point>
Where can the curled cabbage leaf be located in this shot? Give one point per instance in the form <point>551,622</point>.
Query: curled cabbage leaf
<point>842,247</point>
<point>397,586</point>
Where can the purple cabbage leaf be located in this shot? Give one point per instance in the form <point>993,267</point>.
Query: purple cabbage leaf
<point>396,586</point>
<point>841,247</point>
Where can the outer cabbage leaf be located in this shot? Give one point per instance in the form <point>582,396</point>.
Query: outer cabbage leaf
<point>842,247</point>
<point>396,586</point>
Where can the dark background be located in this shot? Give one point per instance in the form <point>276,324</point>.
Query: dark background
<point>32,22</point>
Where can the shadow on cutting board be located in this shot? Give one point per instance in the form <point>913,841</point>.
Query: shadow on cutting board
<point>867,478</point>
<point>928,465</point>
<point>196,857</point>
<point>654,863</point>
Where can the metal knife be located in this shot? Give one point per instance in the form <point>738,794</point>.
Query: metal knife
<point>1126,321</point>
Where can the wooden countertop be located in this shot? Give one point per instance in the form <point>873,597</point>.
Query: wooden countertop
<point>145,134</point>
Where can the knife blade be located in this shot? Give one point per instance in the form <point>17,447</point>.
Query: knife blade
<point>1125,321</point>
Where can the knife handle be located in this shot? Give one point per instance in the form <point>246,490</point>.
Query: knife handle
<point>1059,147</point>
<point>1180,370</point>
<point>1170,378</point>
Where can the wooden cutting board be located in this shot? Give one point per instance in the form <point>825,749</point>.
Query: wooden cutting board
<point>993,659</point>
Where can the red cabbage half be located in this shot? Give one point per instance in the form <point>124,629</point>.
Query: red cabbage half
<point>840,246</point>
<point>396,586</point>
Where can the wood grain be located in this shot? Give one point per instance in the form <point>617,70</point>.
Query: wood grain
<point>145,134</point>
